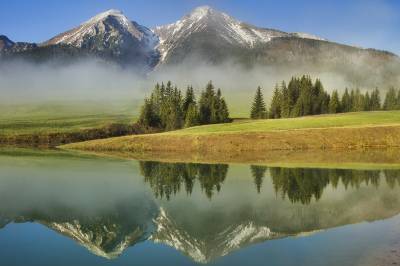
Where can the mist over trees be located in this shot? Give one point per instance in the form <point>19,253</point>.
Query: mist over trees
<point>167,109</point>
<point>301,97</point>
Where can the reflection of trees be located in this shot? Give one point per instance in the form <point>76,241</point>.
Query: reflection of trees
<point>392,177</point>
<point>258,173</point>
<point>297,184</point>
<point>166,179</point>
<point>303,184</point>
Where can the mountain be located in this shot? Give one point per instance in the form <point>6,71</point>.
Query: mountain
<point>8,46</point>
<point>209,31</point>
<point>5,43</point>
<point>111,34</point>
<point>208,36</point>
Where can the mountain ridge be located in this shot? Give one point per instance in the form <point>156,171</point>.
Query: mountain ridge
<point>208,36</point>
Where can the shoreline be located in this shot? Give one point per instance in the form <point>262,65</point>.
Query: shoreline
<point>213,144</point>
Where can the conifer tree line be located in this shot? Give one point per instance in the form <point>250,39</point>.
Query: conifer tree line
<point>301,97</point>
<point>167,109</point>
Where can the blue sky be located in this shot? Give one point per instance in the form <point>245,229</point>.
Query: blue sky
<point>366,23</point>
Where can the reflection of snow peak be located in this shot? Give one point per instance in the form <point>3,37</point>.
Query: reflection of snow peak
<point>200,251</point>
<point>96,242</point>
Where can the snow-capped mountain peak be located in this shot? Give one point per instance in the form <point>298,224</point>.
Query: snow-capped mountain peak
<point>214,24</point>
<point>200,12</point>
<point>111,23</point>
<point>112,34</point>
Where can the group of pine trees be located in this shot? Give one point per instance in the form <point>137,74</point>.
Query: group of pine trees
<point>302,96</point>
<point>167,109</point>
<point>392,100</point>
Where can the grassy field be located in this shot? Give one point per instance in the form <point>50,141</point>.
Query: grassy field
<point>51,124</point>
<point>342,131</point>
<point>318,121</point>
<point>59,118</point>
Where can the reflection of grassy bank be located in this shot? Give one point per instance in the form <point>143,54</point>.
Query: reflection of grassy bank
<point>353,159</point>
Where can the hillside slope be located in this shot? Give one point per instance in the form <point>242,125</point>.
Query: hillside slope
<point>343,131</point>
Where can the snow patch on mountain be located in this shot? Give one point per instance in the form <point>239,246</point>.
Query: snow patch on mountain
<point>307,36</point>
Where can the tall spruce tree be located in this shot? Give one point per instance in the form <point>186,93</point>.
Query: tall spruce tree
<point>188,100</point>
<point>346,101</point>
<point>192,116</point>
<point>148,117</point>
<point>223,112</point>
<point>391,100</point>
<point>206,104</point>
<point>375,100</point>
<point>367,102</point>
<point>258,109</point>
<point>334,103</point>
<point>294,92</point>
<point>285,102</point>
<point>276,102</point>
<point>398,99</point>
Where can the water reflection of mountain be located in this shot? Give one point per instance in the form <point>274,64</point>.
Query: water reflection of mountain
<point>105,233</point>
<point>203,211</point>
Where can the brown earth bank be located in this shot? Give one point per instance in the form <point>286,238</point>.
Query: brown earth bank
<point>53,139</point>
<point>297,139</point>
<point>254,146</point>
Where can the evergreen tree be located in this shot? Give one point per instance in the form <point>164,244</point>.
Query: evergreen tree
<point>317,97</point>
<point>375,100</point>
<point>206,104</point>
<point>352,100</point>
<point>358,101</point>
<point>189,99</point>
<point>285,103</point>
<point>367,102</point>
<point>346,101</point>
<point>148,117</point>
<point>212,107</point>
<point>293,91</point>
<point>276,102</point>
<point>192,116</point>
<point>391,100</point>
<point>325,103</point>
<point>223,112</point>
<point>398,99</point>
<point>258,109</point>
<point>334,103</point>
<point>258,173</point>
<point>304,104</point>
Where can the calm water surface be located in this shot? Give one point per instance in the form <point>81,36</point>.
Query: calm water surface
<point>57,208</point>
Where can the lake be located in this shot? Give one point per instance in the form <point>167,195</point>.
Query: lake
<point>64,208</point>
